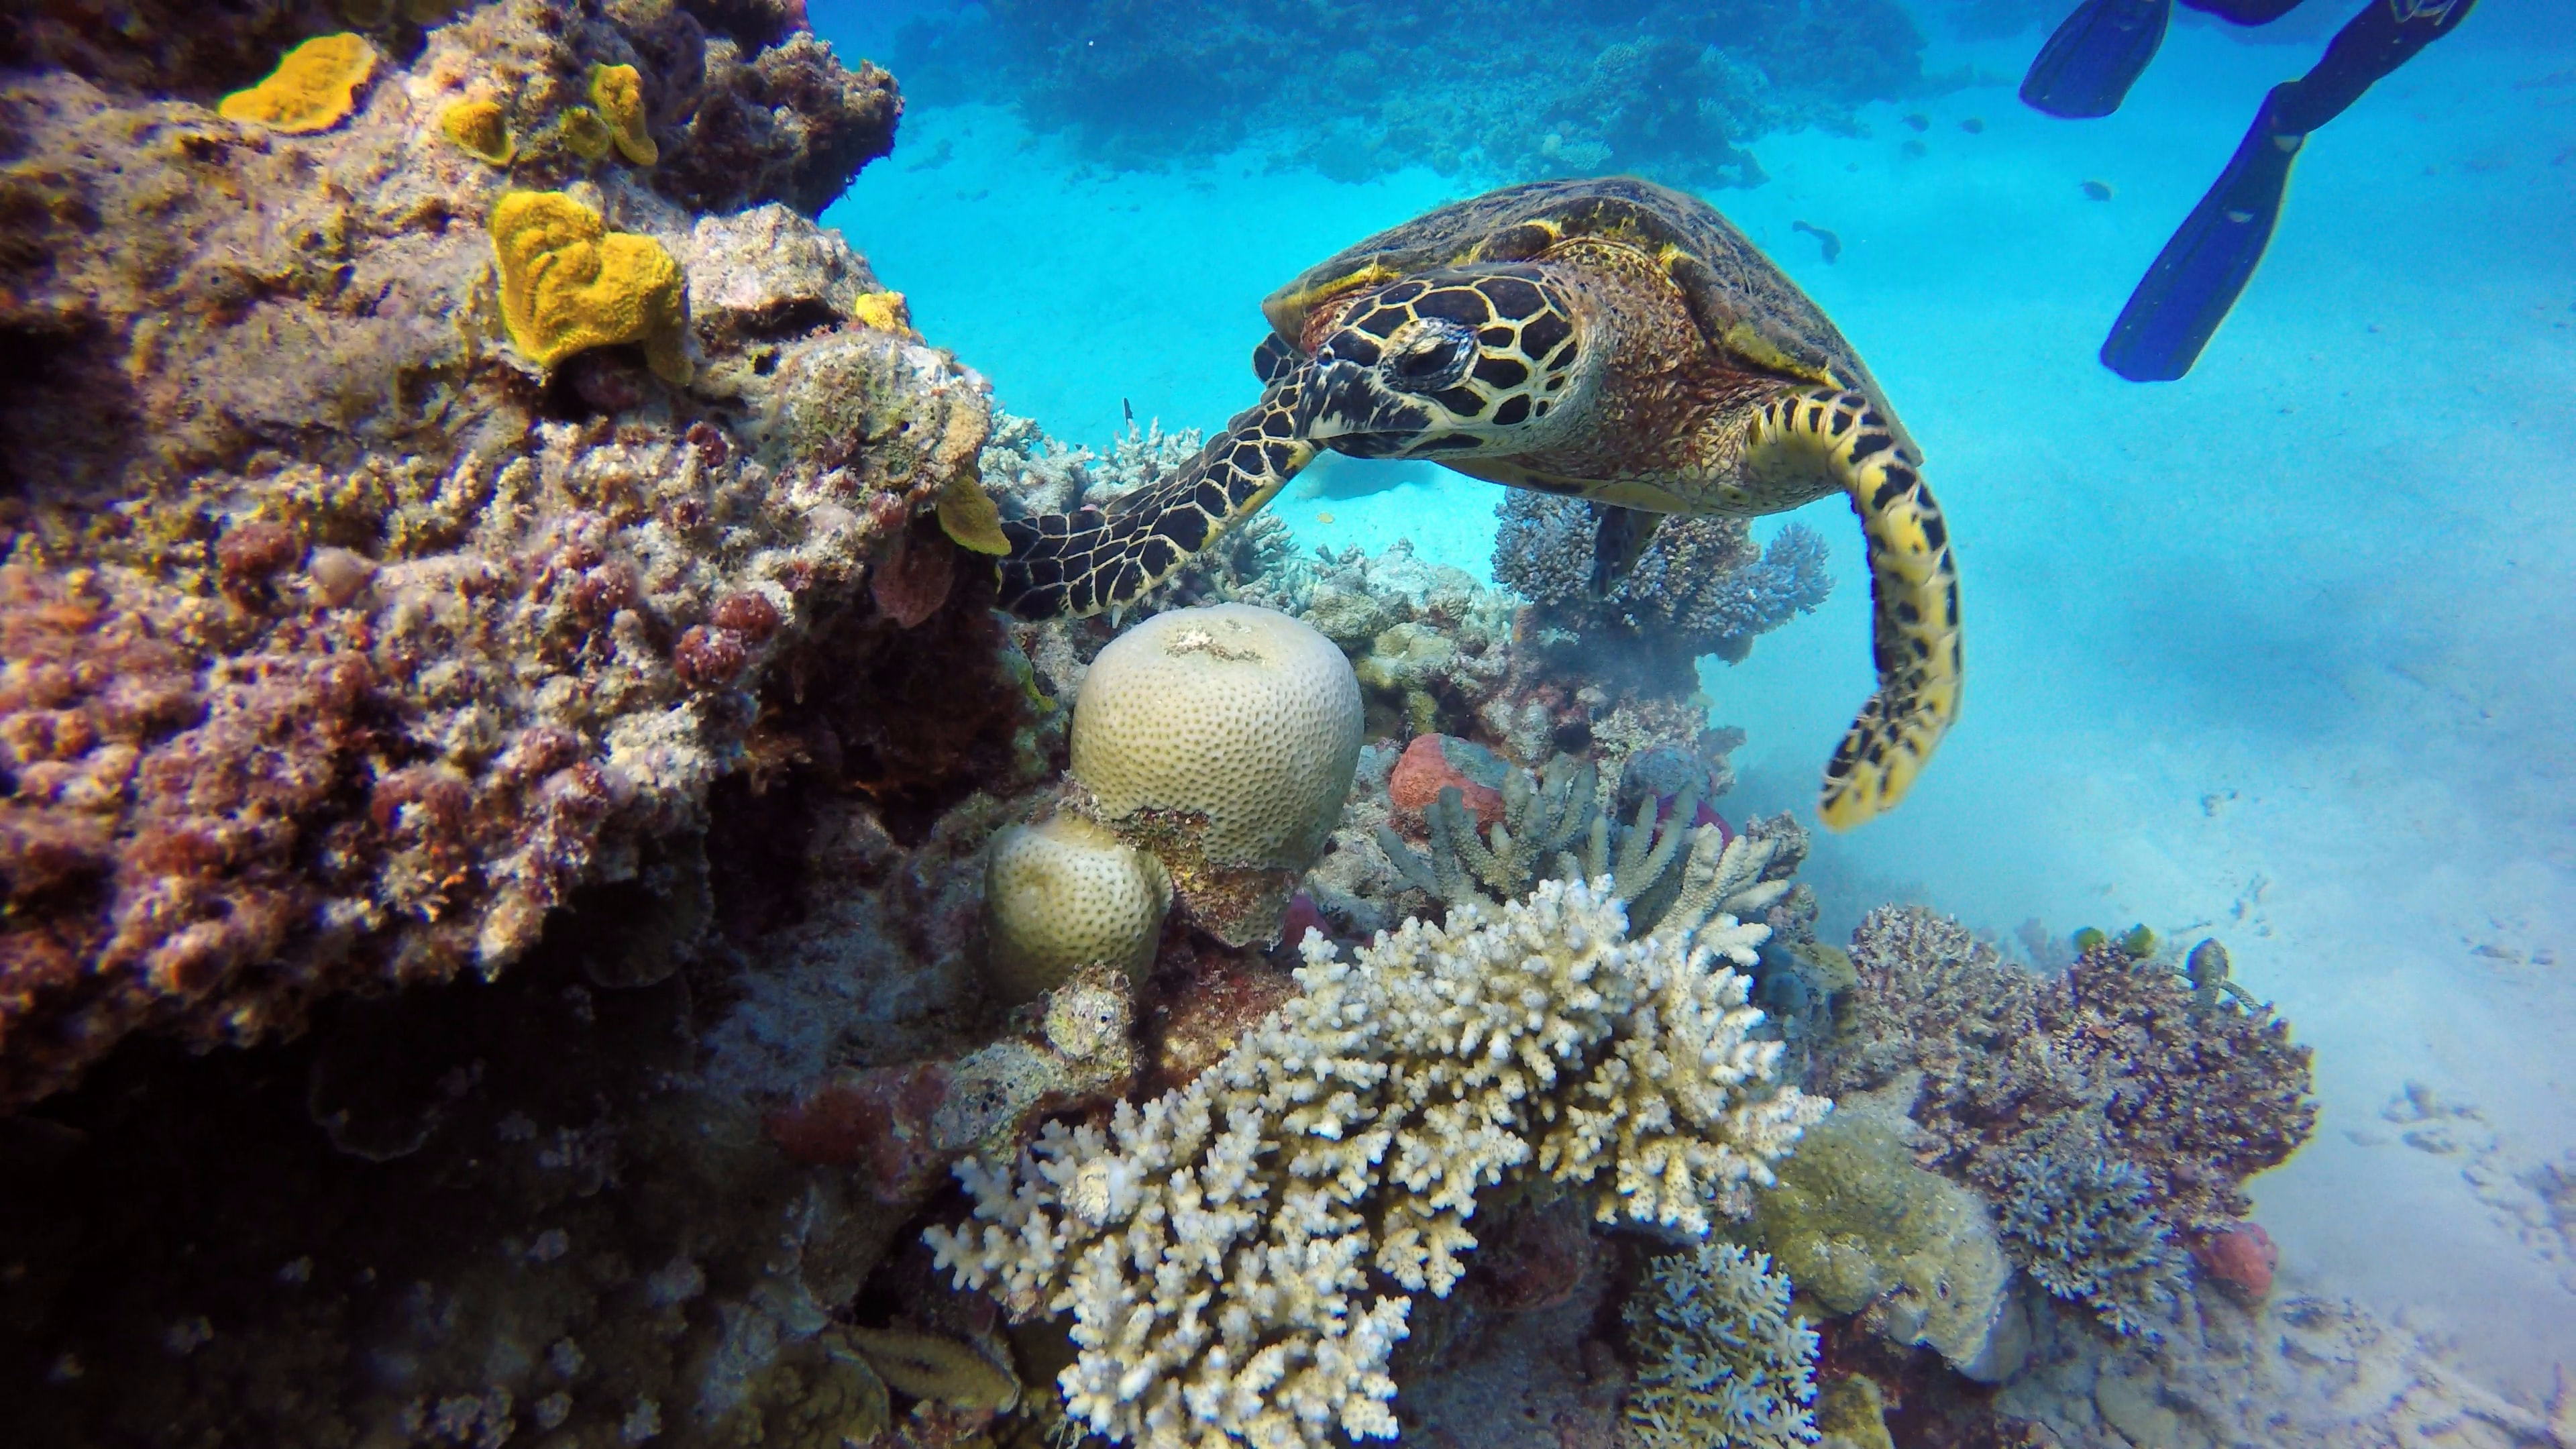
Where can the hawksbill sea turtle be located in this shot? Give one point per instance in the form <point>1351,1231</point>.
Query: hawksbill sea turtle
<point>1607,339</point>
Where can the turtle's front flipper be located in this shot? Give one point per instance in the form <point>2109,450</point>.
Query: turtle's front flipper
<point>1914,591</point>
<point>1099,558</point>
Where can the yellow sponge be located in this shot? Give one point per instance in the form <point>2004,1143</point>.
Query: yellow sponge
<point>584,133</point>
<point>618,92</point>
<point>568,284</point>
<point>482,128</point>
<point>313,89</point>
<point>1064,894</point>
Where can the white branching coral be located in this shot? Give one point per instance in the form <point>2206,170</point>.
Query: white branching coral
<point>1721,1359</point>
<point>1216,1246</point>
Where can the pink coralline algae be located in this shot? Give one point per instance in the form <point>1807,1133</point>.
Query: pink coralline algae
<point>2242,1256</point>
<point>1425,770</point>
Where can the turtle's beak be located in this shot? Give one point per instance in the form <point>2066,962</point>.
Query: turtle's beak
<point>1346,408</point>
<point>1323,412</point>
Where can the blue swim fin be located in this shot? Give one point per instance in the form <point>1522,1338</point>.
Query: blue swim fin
<point>2087,67</point>
<point>2201,271</point>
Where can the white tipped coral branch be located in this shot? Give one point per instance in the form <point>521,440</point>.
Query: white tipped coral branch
<point>1238,1255</point>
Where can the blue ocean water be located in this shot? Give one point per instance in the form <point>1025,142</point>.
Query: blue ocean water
<point>2282,650</point>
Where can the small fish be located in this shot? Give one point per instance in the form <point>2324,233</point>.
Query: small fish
<point>1323,518</point>
<point>1915,148</point>
<point>1832,244</point>
<point>2098,190</point>
<point>1974,125</point>
<point>1918,120</point>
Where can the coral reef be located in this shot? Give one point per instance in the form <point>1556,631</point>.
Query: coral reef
<point>1221,740</point>
<point>1215,1246</point>
<point>2198,1097</point>
<point>1663,88</point>
<point>343,648</point>
<point>2113,1111</point>
<point>1723,1361</point>
<point>2302,1370</point>
<point>1064,894</point>
<point>1697,588</point>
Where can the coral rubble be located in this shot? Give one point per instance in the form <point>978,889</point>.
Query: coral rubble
<point>1218,1248</point>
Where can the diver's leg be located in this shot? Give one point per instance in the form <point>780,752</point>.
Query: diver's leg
<point>2202,270</point>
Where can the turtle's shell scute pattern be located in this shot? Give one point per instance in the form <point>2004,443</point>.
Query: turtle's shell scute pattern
<point>1744,305</point>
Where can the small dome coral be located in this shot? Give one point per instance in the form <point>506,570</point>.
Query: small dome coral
<point>1064,894</point>
<point>569,284</point>
<point>313,89</point>
<point>1223,740</point>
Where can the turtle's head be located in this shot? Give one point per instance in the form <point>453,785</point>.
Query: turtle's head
<point>1446,364</point>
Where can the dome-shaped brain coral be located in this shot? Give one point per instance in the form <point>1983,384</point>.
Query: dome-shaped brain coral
<point>618,92</point>
<point>482,128</point>
<point>1223,740</point>
<point>1064,894</point>
<point>313,89</point>
<point>569,284</point>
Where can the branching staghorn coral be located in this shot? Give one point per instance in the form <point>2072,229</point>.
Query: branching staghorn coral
<point>1238,1255</point>
<point>1699,583</point>
<point>1542,820</point>
<point>2079,1223</point>
<point>1724,1362</point>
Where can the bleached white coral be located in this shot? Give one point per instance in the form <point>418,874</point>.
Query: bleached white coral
<point>1215,1247</point>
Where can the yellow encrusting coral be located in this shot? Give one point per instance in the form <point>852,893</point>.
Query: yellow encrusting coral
<point>482,128</point>
<point>313,89</point>
<point>883,311</point>
<point>967,515</point>
<point>569,284</point>
<point>585,134</point>
<point>618,93</point>
<point>927,1366</point>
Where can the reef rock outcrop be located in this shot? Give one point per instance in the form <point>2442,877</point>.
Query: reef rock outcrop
<point>344,640</point>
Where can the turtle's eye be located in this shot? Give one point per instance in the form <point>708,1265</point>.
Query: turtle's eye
<point>1430,356</point>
